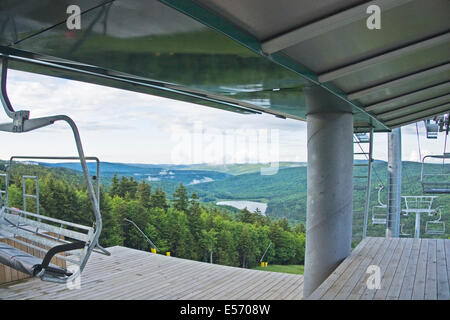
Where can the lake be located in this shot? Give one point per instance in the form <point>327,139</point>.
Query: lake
<point>241,204</point>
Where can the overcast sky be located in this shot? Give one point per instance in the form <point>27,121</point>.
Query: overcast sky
<point>123,126</point>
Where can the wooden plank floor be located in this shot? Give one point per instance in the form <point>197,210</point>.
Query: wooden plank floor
<point>134,274</point>
<point>410,269</point>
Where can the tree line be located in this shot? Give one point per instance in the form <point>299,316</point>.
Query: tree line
<point>181,225</point>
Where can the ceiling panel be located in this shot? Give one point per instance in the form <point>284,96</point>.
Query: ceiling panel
<point>403,25</point>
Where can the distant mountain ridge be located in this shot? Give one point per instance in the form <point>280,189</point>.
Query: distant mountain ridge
<point>146,172</point>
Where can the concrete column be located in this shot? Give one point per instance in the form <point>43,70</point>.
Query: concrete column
<point>330,190</point>
<point>394,202</point>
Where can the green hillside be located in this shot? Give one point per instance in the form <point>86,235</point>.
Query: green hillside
<point>176,222</point>
<point>285,194</point>
<point>240,168</point>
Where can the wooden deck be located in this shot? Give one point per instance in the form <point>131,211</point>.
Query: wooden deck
<point>417,269</point>
<point>133,274</point>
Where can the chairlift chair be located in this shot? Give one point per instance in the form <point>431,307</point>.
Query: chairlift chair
<point>379,212</point>
<point>418,204</point>
<point>402,233</point>
<point>362,137</point>
<point>431,128</point>
<point>435,227</point>
<point>41,234</point>
<point>435,182</point>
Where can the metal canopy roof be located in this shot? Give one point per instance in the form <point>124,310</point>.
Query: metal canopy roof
<point>247,56</point>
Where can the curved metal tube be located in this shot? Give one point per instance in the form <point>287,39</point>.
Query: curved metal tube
<point>94,203</point>
<point>145,236</point>
<point>4,95</point>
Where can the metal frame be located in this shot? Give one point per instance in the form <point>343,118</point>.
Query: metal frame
<point>87,158</point>
<point>418,205</point>
<point>22,123</point>
<point>24,191</point>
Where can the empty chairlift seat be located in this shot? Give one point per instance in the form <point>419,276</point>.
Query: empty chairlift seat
<point>379,212</point>
<point>435,227</point>
<point>44,236</point>
<point>435,174</point>
<point>431,128</point>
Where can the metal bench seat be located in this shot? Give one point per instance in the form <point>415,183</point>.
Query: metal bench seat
<point>25,262</point>
<point>436,188</point>
<point>42,235</point>
<point>48,239</point>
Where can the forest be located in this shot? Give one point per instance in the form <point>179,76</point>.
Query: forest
<point>180,224</point>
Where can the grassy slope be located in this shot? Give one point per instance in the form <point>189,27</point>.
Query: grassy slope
<point>290,268</point>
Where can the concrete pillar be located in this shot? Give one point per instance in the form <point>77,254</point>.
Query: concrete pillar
<point>330,190</point>
<point>394,202</point>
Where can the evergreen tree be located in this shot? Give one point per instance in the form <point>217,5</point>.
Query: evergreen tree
<point>246,216</point>
<point>181,201</point>
<point>158,200</point>
<point>195,222</point>
<point>114,190</point>
<point>143,194</point>
<point>111,234</point>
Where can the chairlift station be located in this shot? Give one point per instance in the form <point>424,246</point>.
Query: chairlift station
<point>313,61</point>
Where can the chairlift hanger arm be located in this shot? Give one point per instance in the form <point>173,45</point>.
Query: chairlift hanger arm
<point>18,117</point>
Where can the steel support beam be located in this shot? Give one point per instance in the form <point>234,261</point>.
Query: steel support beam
<point>412,77</point>
<point>418,116</point>
<point>325,25</point>
<point>393,54</point>
<point>394,201</point>
<point>405,111</point>
<point>330,189</point>
<point>411,95</point>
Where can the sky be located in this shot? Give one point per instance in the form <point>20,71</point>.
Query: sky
<point>123,126</point>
